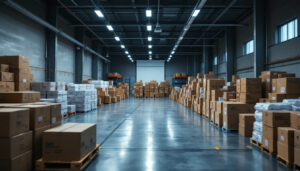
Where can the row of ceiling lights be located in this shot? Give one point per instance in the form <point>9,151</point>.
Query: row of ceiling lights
<point>149,28</point>
<point>117,38</point>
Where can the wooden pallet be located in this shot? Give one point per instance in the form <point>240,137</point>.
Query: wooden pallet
<point>296,167</point>
<point>268,152</point>
<point>68,114</point>
<point>229,130</point>
<point>284,162</point>
<point>67,166</point>
<point>255,143</point>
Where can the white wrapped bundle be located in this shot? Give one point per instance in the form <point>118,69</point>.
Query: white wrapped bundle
<point>258,116</point>
<point>272,106</point>
<point>48,100</point>
<point>294,102</point>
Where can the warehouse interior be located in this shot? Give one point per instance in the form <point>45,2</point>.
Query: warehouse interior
<point>148,82</point>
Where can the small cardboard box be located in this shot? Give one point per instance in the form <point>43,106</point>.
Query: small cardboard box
<point>15,61</point>
<point>4,68</point>
<point>295,120</point>
<point>13,121</point>
<point>229,95</point>
<point>288,85</point>
<point>6,76</point>
<point>274,118</point>
<point>219,119</point>
<point>21,162</point>
<point>68,142</point>
<point>20,97</point>
<point>107,100</point>
<point>16,145</point>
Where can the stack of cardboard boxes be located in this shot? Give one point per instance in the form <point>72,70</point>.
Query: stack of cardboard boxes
<point>19,66</point>
<point>246,124</point>
<point>6,79</point>
<point>138,89</point>
<point>284,88</point>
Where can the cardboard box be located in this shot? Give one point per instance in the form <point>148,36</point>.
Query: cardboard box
<point>13,146</point>
<point>270,138</point>
<point>4,68</point>
<point>249,97</point>
<point>231,111</point>
<point>7,87</point>
<point>246,124</point>
<point>297,139</point>
<point>15,61</point>
<point>295,120</point>
<point>55,112</point>
<point>229,95</point>
<point>273,118</point>
<point>219,119</point>
<point>39,115</point>
<point>250,85</point>
<point>286,135</point>
<point>13,121</point>
<point>22,162</point>
<point>20,97</point>
<point>22,86</point>
<point>37,138</point>
<point>6,76</point>
<point>288,85</point>
<point>68,142</point>
<point>285,152</point>
<point>297,156</point>
<point>114,99</point>
<point>22,75</point>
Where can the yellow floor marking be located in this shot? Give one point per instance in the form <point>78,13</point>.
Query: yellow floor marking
<point>100,147</point>
<point>248,146</point>
<point>217,148</point>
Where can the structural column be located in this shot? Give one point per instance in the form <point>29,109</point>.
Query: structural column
<point>230,51</point>
<point>259,31</point>
<point>95,62</point>
<point>79,54</point>
<point>51,42</point>
<point>205,59</point>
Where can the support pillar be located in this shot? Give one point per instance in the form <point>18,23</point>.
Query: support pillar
<point>95,62</point>
<point>230,51</point>
<point>79,54</point>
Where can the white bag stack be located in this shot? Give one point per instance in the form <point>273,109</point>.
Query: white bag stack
<point>54,92</point>
<point>258,124</point>
<point>83,96</point>
<point>71,108</point>
<point>100,83</point>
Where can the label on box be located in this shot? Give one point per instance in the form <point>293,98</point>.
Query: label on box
<point>268,80</point>
<point>40,118</point>
<point>274,88</point>
<point>268,72</point>
<point>266,143</point>
<point>282,89</point>
<point>273,97</point>
<point>224,124</point>
<point>225,110</point>
<point>282,138</point>
<point>53,119</point>
<point>24,80</point>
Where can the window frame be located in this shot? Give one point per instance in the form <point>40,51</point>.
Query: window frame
<point>279,29</point>
<point>245,47</point>
<point>215,61</point>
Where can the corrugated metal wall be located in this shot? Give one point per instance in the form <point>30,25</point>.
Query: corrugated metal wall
<point>87,66</point>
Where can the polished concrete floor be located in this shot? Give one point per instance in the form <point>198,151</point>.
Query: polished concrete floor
<point>160,134</point>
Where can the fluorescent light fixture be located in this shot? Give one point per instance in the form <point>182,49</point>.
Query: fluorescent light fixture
<point>148,13</point>
<point>117,38</point>
<point>196,12</point>
<point>150,52</point>
<point>172,52</point>
<point>126,52</point>
<point>149,46</point>
<point>99,13</point>
<point>129,56</point>
<point>150,58</point>
<point>180,38</point>
<point>149,38</point>
<point>170,56</point>
<point>149,27</point>
<point>109,27</point>
<point>122,46</point>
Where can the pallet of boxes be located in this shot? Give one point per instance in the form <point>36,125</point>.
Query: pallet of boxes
<point>101,87</point>
<point>125,88</point>
<point>138,88</point>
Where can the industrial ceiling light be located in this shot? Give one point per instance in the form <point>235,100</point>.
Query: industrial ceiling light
<point>109,27</point>
<point>149,46</point>
<point>149,27</point>
<point>157,28</point>
<point>172,52</point>
<point>148,12</point>
<point>129,56</point>
<point>126,52</point>
<point>117,38</point>
<point>122,46</point>
<point>180,39</point>
<point>149,38</point>
<point>150,52</point>
<point>99,13</point>
<point>196,12</point>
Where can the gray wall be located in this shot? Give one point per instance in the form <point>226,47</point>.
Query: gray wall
<point>20,35</point>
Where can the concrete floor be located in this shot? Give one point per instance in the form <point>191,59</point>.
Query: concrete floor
<point>160,134</point>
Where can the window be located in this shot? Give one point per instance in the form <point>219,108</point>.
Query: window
<point>225,57</point>
<point>216,60</point>
<point>288,31</point>
<point>248,47</point>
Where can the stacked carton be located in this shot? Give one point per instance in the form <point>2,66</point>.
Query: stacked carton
<point>19,66</point>
<point>164,88</point>
<point>6,79</point>
<point>53,92</point>
<point>284,88</point>
<point>297,144</point>
<point>138,89</point>
<point>248,90</point>
<point>246,124</point>
<point>84,96</point>
<point>125,88</point>
<point>15,139</point>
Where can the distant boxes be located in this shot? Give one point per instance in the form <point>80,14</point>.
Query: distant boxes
<point>69,142</point>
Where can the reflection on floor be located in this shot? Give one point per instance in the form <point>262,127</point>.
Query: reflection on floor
<point>160,134</point>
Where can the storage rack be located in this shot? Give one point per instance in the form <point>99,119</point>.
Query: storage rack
<point>178,81</point>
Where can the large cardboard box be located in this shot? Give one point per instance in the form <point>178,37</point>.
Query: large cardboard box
<point>246,124</point>
<point>231,111</point>
<point>7,76</point>
<point>275,118</point>
<point>16,145</point>
<point>22,86</point>
<point>15,61</point>
<point>22,74</point>
<point>297,156</point>
<point>39,115</point>
<point>250,85</point>
<point>13,121</point>
<point>20,97</point>
<point>285,143</point>
<point>229,95</point>
<point>288,85</point>
<point>249,97</point>
<point>297,138</point>
<point>21,162</point>
<point>68,142</point>
<point>55,112</point>
<point>4,68</point>
<point>295,120</point>
<point>37,138</point>
<point>270,138</point>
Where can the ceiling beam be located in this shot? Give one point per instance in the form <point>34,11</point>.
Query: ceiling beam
<point>155,6</point>
<point>139,45</point>
<point>170,24</point>
<point>172,38</point>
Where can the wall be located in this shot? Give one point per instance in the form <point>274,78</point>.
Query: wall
<point>87,66</point>
<point>176,65</point>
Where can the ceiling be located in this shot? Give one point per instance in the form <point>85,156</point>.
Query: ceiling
<point>129,21</point>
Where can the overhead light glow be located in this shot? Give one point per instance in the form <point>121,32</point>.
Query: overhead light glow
<point>122,46</point>
<point>129,56</point>
<point>149,38</point>
<point>172,52</point>
<point>149,27</point>
<point>149,46</point>
<point>150,52</point>
<point>148,13</point>
<point>99,13</point>
<point>180,38</point>
<point>126,52</point>
<point>117,38</point>
<point>109,27</point>
<point>196,12</point>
